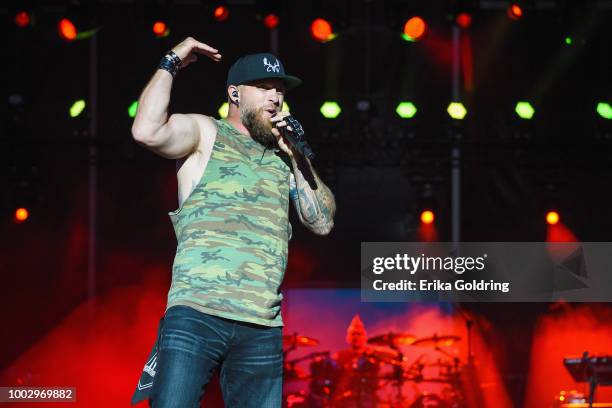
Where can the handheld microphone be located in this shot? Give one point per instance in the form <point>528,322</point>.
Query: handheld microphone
<point>295,137</point>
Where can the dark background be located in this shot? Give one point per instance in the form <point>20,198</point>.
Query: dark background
<point>379,166</point>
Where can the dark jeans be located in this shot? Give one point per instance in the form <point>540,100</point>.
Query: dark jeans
<point>193,344</point>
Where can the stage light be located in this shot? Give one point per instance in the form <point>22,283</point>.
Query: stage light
<point>223,110</point>
<point>569,40</point>
<point>76,108</point>
<point>21,214</point>
<point>221,13</point>
<point>22,19</point>
<point>515,12</point>
<point>456,110</point>
<point>133,109</point>
<point>427,217</point>
<point>15,99</point>
<point>160,29</point>
<point>414,29</point>
<point>524,110</point>
<point>363,105</point>
<point>67,30</point>
<point>605,110</point>
<point>285,107</point>
<point>271,21</point>
<point>330,110</point>
<point>321,30</point>
<point>552,217</point>
<point>406,110</point>
<point>464,20</point>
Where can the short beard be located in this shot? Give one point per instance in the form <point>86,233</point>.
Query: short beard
<point>258,127</point>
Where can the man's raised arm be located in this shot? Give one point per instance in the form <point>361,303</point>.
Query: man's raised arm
<point>178,135</point>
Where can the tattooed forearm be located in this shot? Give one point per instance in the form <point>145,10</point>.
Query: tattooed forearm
<point>312,199</point>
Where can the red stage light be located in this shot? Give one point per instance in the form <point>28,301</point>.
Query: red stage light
<point>515,11</point>
<point>427,217</point>
<point>67,30</point>
<point>160,28</point>
<point>415,28</point>
<point>321,30</point>
<point>22,19</point>
<point>271,21</point>
<point>552,217</point>
<point>21,214</point>
<point>221,13</point>
<point>464,20</point>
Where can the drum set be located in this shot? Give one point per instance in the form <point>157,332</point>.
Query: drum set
<point>379,375</point>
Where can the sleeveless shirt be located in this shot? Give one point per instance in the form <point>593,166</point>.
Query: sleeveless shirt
<point>232,233</point>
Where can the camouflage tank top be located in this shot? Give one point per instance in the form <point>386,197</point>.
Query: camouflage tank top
<point>232,233</point>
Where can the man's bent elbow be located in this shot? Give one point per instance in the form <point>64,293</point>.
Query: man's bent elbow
<point>142,136</point>
<point>138,134</point>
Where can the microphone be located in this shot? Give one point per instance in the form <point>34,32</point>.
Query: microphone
<point>296,137</point>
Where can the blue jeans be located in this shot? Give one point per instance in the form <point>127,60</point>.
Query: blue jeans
<point>193,344</point>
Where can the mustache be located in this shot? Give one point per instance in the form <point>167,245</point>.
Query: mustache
<point>259,128</point>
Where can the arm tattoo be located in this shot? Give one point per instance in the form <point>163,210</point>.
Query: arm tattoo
<point>315,205</point>
<point>293,194</point>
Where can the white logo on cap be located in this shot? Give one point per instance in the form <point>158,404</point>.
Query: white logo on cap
<point>270,67</point>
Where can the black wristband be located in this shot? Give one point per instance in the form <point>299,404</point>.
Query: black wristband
<point>170,62</point>
<point>173,57</point>
<point>168,66</point>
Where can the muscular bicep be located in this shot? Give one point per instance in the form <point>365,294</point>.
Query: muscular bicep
<point>177,138</point>
<point>180,137</point>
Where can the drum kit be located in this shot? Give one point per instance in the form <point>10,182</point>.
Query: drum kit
<point>375,376</point>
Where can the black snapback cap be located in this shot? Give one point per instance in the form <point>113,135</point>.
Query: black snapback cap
<point>259,66</point>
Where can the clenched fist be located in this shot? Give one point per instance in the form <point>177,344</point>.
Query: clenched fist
<point>278,121</point>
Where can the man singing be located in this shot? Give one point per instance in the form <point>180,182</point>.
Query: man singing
<point>235,180</point>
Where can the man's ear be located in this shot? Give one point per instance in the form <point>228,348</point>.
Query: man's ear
<point>233,94</point>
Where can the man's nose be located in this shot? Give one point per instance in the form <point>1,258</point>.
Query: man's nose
<point>273,96</point>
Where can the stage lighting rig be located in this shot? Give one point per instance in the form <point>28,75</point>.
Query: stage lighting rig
<point>321,30</point>
<point>330,109</point>
<point>23,19</point>
<point>221,13</point>
<point>414,29</point>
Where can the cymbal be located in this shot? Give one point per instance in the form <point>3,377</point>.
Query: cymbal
<point>290,340</point>
<point>384,354</point>
<point>392,339</point>
<point>436,341</point>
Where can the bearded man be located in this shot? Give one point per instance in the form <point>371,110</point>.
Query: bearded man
<point>236,177</point>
